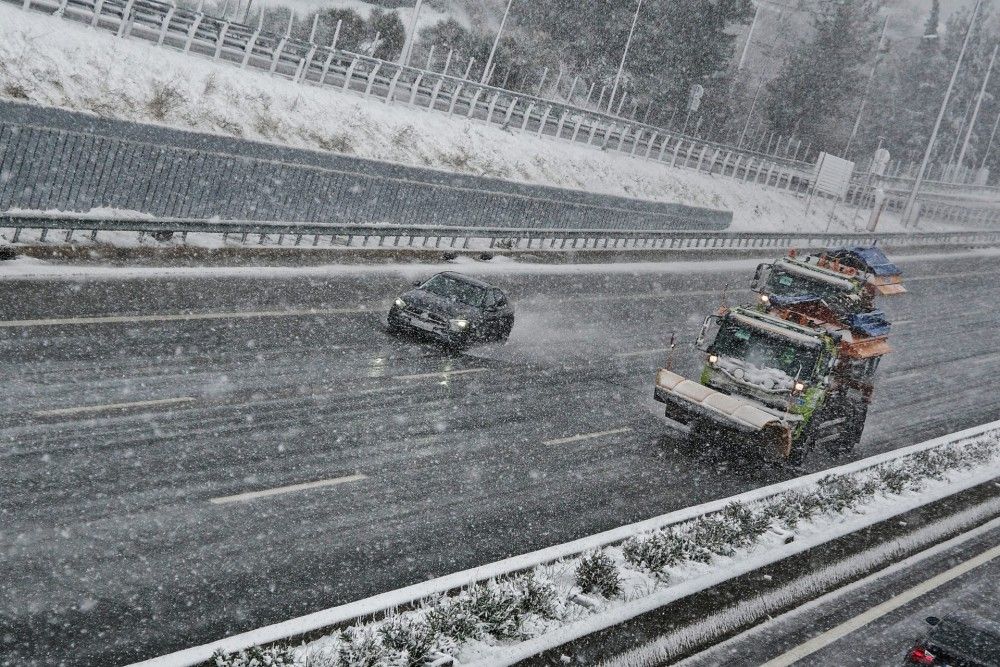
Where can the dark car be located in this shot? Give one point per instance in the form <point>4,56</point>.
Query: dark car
<point>963,640</point>
<point>455,310</point>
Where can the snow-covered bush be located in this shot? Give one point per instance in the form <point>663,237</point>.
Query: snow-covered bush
<point>597,573</point>
<point>411,637</point>
<point>256,657</point>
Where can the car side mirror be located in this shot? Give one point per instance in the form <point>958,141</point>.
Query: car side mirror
<point>416,283</point>
<point>933,620</point>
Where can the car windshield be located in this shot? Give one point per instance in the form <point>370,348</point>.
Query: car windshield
<point>456,290</point>
<point>764,351</point>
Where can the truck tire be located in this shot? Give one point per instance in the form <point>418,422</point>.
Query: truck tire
<point>850,435</point>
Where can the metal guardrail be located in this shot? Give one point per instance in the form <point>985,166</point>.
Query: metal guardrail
<point>441,236</point>
<point>244,46</point>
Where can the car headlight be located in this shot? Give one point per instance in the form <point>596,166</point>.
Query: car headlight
<point>459,325</point>
<point>712,358</point>
<point>800,386</point>
<point>765,299</point>
<point>400,303</point>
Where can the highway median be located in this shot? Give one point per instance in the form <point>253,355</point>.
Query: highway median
<point>604,595</point>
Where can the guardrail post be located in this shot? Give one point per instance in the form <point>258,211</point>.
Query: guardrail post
<point>249,48</point>
<point>166,25</point>
<point>391,95</point>
<point>593,131</point>
<point>677,149</point>
<point>527,116</point>
<point>510,111</point>
<point>701,157</point>
<point>474,102</point>
<point>545,118</point>
<point>220,41</point>
<point>192,30</point>
<point>62,10</point>
<point>561,123</point>
<point>98,6</point>
<point>435,93</point>
<point>371,79</point>
<point>635,142</point>
<point>492,106</point>
<point>415,88</point>
<point>621,136</point>
<point>663,148</point>
<point>650,143</point>
<point>350,73</point>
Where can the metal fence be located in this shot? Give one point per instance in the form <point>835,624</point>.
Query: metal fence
<point>306,62</point>
<point>62,229</point>
<point>170,173</point>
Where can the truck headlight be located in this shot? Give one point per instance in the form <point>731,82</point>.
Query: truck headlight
<point>712,359</point>
<point>400,303</point>
<point>800,386</point>
<point>459,325</point>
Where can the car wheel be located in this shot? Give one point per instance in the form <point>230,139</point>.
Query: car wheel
<point>505,329</point>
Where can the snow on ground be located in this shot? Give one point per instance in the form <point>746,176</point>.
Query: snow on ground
<point>49,61</point>
<point>30,268</point>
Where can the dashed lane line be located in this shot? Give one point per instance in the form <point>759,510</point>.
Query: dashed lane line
<point>85,409</point>
<point>585,436</point>
<point>642,353</point>
<point>281,490</point>
<point>440,374</point>
<point>179,317</point>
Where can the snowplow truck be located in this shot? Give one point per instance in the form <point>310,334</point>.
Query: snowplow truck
<point>794,371</point>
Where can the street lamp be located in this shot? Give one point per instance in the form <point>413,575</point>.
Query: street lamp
<point>621,66</point>
<point>496,43</point>
<point>411,36</point>
<point>918,181</point>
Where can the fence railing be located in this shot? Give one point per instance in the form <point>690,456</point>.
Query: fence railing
<point>176,174</point>
<point>244,46</point>
<point>58,228</point>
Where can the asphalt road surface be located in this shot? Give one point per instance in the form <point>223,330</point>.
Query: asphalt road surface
<point>120,537</point>
<point>878,622</point>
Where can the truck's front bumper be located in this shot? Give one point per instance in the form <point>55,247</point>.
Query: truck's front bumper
<point>688,402</point>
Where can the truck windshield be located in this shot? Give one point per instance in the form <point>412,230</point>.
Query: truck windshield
<point>764,351</point>
<point>787,284</point>
<point>456,290</point>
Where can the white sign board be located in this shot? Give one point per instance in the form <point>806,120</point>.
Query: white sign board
<point>833,175</point>
<point>880,162</point>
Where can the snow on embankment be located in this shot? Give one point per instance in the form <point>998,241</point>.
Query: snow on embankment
<point>49,61</point>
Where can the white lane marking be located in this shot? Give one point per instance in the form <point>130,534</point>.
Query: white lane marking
<point>111,406</point>
<point>439,374</point>
<point>642,353</point>
<point>585,436</point>
<point>177,317</point>
<point>861,620</point>
<point>251,495</point>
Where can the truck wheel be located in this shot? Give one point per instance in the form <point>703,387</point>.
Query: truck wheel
<point>850,434</point>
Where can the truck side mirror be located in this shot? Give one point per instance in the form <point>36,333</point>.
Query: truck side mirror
<point>755,283</point>
<point>700,343</point>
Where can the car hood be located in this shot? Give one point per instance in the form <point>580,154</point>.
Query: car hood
<point>438,304</point>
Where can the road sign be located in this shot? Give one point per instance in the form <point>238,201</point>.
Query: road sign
<point>833,175</point>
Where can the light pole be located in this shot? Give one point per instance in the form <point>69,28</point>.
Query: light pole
<point>918,181</point>
<point>411,36</point>
<point>868,88</point>
<point>496,43</point>
<point>621,66</point>
<point>746,45</point>
<point>975,114</point>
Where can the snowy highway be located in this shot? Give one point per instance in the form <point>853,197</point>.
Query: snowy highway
<point>188,457</point>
